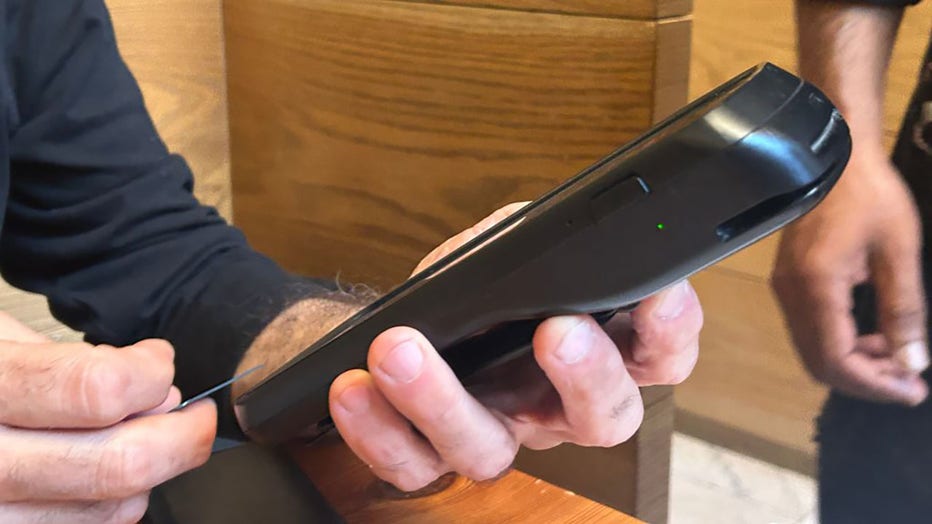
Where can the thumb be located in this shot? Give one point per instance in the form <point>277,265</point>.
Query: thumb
<point>896,270</point>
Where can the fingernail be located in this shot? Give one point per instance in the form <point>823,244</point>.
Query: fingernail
<point>404,362</point>
<point>913,356</point>
<point>913,390</point>
<point>354,399</point>
<point>577,342</point>
<point>674,301</point>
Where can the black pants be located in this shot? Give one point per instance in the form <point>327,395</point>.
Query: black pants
<point>875,461</point>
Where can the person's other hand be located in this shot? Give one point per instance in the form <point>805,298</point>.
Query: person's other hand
<point>411,420</point>
<point>867,229</point>
<point>74,444</point>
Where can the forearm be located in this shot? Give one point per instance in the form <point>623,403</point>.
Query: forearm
<point>845,48</point>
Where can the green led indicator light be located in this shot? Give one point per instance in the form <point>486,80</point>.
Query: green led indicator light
<point>661,226</point>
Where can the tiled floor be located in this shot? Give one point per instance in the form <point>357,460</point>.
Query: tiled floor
<point>714,485</point>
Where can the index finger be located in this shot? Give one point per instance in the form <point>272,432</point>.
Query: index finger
<point>872,372</point>
<point>73,386</point>
<point>601,402</point>
<point>113,463</point>
<point>818,311</point>
<point>896,268</point>
<point>664,347</point>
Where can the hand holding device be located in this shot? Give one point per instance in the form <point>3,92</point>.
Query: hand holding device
<point>411,419</point>
<point>725,171</point>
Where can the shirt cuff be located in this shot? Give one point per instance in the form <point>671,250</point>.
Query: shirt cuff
<point>213,327</point>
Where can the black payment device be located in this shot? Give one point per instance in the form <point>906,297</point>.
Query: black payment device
<point>725,171</point>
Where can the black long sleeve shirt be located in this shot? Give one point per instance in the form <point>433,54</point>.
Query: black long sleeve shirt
<point>98,216</point>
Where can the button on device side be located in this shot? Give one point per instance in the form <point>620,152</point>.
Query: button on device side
<point>620,194</point>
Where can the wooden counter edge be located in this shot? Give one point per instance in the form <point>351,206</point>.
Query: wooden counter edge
<point>359,496</point>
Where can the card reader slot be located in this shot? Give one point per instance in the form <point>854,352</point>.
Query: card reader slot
<point>759,213</point>
<point>832,127</point>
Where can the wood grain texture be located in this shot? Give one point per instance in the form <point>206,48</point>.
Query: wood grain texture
<point>671,66</point>
<point>415,120</point>
<point>175,49</point>
<point>644,9</point>
<point>361,498</point>
<point>653,440</point>
<point>748,376</point>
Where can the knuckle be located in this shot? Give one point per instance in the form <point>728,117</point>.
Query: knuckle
<point>818,263</point>
<point>786,283</point>
<point>164,373</point>
<point>905,314</point>
<point>622,423</point>
<point>814,264</point>
<point>447,408</point>
<point>126,469</point>
<point>161,371</point>
<point>163,346</point>
<point>102,385</point>
<point>674,365</point>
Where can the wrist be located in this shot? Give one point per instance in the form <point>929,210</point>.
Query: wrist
<point>292,331</point>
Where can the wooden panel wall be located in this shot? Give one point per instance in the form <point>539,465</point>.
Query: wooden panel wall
<point>366,132</point>
<point>175,49</point>
<point>646,9</point>
<point>748,390</point>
